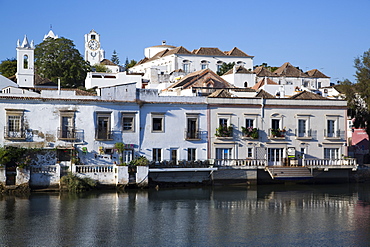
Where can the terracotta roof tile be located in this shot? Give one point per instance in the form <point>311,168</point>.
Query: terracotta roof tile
<point>201,78</point>
<point>264,81</point>
<point>316,74</point>
<point>239,70</point>
<point>237,53</point>
<point>263,94</point>
<point>289,70</point>
<point>308,96</point>
<point>262,71</point>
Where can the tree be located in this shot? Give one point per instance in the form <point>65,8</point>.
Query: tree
<point>58,58</point>
<point>99,68</point>
<point>130,64</point>
<point>115,58</point>
<point>8,67</point>
<point>224,68</point>
<point>265,65</point>
<point>358,94</point>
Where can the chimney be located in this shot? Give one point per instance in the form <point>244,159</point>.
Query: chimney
<point>163,42</point>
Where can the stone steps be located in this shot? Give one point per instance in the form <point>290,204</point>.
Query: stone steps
<point>289,172</point>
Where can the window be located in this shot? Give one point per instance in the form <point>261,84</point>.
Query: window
<point>319,84</point>
<point>173,155</point>
<point>223,121</point>
<point>25,62</point>
<point>157,154</point>
<point>103,124</point>
<point>219,65</point>
<point>331,153</point>
<point>127,156</point>
<point>249,152</point>
<point>331,128</point>
<point>191,154</point>
<point>275,123</point>
<point>192,127</point>
<point>204,64</point>
<point>186,66</point>
<point>223,153</point>
<point>302,129</point>
<point>92,36</point>
<point>67,128</point>
<point>14,124</point>
<point>249,123</point>
<point>128,121</point>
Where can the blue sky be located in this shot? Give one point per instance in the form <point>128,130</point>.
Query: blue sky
<point>325,35</point>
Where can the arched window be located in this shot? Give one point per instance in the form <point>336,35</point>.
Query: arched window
<point>25,62</point>
<point>219,64</point>
<point>246,84</point>
<point>204,64</point>
<point>186,66</point>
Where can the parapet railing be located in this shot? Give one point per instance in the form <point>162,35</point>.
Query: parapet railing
<point>92,168</point>
<point>241,162</point>
<point>347,162</point>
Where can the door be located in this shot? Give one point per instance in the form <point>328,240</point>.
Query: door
<point>192,128</point>
<point>103,126</point>
<point>275,157</point>
<point>67,127</point>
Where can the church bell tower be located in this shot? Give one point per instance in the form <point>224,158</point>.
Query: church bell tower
<point>94,54</point>
<point>25,63</point>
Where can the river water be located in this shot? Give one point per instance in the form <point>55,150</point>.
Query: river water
<point>330,215</point>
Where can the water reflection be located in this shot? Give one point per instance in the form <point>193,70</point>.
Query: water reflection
<point>337,215</point>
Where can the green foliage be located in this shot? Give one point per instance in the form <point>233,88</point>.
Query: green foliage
<point>8,67</point>
<point>224,131</point>
<point>250,132</point>
<point>139,161</point>
<point>115,58</point>
<point>224,68</point>
<point>58,58</point>
<point>278,132</point>
<point>272,69</point>
<point>21,157</point>
<point>358,94</point>
<point>74,183</point>
<point>120,147</point>
<point>130,64</point>
<point>99,68</point>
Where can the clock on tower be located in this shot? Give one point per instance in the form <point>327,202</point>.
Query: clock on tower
<point>93,52</point>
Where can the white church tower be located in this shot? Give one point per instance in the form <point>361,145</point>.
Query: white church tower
<point>25,63</point>
<point>94,54</point>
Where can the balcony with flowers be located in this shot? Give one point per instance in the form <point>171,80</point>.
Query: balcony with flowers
<point>224,131</point>
<point>250,132</point>
<point>277,133</point>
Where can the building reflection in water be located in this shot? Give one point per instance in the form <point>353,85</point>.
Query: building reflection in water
<point>264,215</point>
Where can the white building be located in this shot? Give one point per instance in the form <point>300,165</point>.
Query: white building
<point>169,59</point>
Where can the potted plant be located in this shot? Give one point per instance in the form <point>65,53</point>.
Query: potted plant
<point>224,131</point>
<point>250,132</point>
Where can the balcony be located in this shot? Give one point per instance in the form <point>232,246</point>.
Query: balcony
<point>192,135</point>
<point>250,133</point>
<point>68,134</point>
<point>303,135</point>
<point>103,135</point>
<point>335,135</point>
<point>277,134</point>
<point>19,134</point>
<point>224,132</point>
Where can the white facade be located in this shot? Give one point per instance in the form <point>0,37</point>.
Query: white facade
<point>180,58</point>
<point>98,79</point>
<point>316,129</point>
